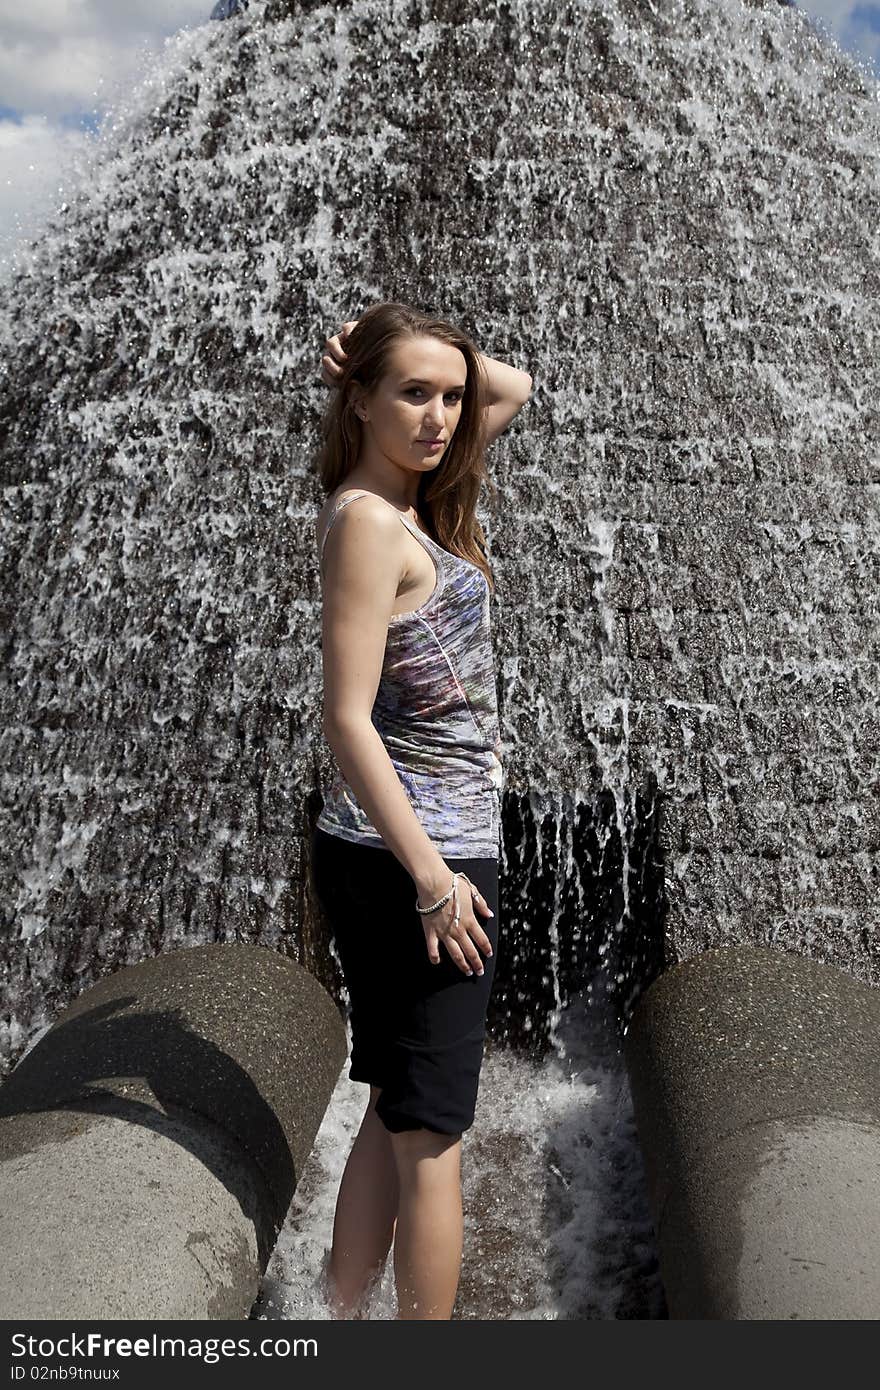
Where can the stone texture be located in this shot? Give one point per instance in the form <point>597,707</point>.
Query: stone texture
<point>755,1076</point>
<point>151,1141</point>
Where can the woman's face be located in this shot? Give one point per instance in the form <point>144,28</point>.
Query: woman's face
<point>416,401</point>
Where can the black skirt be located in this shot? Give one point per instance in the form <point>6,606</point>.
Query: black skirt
<point>417,1029</point>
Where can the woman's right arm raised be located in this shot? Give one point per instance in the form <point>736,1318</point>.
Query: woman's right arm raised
<point>363,561</point>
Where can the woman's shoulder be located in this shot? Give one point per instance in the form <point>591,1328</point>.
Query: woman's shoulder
<point>336,505</point>
<point>331,501</point>
<point>344,490</point>
<point>347,492</point>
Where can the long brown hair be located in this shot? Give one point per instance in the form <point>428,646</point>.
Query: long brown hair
<point>447,498</point>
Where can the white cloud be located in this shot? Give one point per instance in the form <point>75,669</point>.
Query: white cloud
<point>62,61</point>
<point>58,56</point>
<point>52,17</point>
<point>855,27</point>
<point>56,77</point>
<point>36,162</point>
<point>832,11</point>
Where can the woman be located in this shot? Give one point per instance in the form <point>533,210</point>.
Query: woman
<point>405,850</point>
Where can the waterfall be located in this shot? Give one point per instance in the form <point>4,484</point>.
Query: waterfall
<point>668,215</point>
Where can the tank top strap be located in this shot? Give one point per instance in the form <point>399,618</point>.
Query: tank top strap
<point>419,534</point>
<point>334,514</point>
<point>408,522</point>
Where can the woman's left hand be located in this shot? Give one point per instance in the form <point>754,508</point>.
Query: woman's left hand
<point>335,355</point>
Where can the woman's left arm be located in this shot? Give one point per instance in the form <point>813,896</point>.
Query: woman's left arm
<point>509,389</point>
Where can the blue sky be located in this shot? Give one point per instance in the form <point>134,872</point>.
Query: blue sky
<point>62,63</point>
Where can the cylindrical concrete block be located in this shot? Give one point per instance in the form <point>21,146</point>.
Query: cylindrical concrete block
<point>755,1078</point>
<point>152,1140</point>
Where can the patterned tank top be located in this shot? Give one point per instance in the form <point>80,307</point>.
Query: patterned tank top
<point>436,712</point>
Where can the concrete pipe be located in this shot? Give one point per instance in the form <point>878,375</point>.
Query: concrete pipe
<point>756,1085</point>
<point>151,1141</point>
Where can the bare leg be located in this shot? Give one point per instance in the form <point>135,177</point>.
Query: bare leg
<point>428,1241</point>
<point>366,1209</point>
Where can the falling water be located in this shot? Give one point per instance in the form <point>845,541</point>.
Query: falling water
<point>668,215</point>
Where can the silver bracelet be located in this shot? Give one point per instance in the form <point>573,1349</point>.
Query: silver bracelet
<point>423,911</point>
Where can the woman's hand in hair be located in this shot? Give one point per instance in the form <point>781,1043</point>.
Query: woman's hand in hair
<point>335,355</point>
